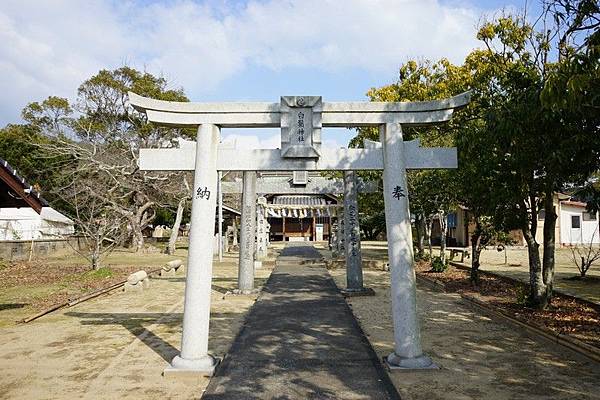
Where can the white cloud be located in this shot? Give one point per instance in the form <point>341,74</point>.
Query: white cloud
<point>50,47</point>
<point>242,141</point>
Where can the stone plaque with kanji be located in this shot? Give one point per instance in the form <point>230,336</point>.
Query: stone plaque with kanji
<point>301,126</point>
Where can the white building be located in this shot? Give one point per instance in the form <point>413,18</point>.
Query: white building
<point>576,225</point>
<point>25,223</point>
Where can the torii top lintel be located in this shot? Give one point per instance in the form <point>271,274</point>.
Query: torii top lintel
<point>268,115</point>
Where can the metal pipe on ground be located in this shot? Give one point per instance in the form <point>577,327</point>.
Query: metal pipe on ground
<point>89,296</point>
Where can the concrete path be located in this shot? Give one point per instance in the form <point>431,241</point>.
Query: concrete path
<point>300,341</point>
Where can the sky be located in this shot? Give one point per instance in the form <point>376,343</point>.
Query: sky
<point>225,50</point>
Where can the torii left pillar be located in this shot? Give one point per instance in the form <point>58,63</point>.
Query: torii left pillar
<point>194,355</point>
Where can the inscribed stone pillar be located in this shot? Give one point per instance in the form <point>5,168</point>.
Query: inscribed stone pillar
<point>234,239</point>
<point>333,245</point>
<point>194,343</point>
<point>340,235</point>
<point>354,276</point>
<point>247,233</point>
<point>261,229</point>
<point>407,336</point>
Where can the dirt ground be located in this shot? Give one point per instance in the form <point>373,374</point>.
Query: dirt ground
<point>117,346</point>
<point>480,357</point>
<point>517,268</point>
<point>27,287</point>
<point>565,315</point>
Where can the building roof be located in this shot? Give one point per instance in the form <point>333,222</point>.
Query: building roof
<point>50,214</point>
<point>16,192</point>
<point>300,200</point>
<point>27,213</point>
<point>231,210</point>
<point>574,203</point>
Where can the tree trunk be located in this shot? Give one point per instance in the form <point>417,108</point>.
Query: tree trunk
<point>419,228</point>
<point>475,251</point>
<point>137,237</point>
<point>443,232</point>
<point>536,280</point>
<point>138,221</point>
<point>175,229</point>
<point>95,259</point>
<point>428,229</point>
<point>549,246</point>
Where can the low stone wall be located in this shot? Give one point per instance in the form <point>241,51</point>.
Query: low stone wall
<point>15,250</point>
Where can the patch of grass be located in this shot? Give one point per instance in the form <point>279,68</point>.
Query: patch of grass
<point>101,273</point>
<point>19,294</point>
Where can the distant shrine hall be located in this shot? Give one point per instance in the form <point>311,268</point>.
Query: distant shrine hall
<point>298,217</point>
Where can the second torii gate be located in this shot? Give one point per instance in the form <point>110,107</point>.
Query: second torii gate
<point>301,119</point>
<point>284,185</point>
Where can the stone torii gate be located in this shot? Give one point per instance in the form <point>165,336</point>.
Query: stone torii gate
<point>283,185</point>
<point>301,119</point>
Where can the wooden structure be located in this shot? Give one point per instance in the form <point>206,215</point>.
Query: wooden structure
<point>301,223</point>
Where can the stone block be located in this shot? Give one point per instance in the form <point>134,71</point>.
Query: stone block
<point>168,272</point>
<point>172,268</point>
<point>137,281</point>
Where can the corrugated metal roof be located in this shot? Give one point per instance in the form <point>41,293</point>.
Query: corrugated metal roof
<point>300,200</point>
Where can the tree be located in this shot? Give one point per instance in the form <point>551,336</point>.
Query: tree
<point>430,192</point>
<point>96,222</point>
<point>19,146</point>
<point>178,217</point>
<point>102,133</point>
<point>586,255</point>
<point>546,148</point>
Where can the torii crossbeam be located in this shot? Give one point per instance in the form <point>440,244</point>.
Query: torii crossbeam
<point>301,119</point>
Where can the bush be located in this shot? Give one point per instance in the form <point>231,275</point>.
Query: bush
<point>437,265</point>
<point>522,295</point>
<point>422,257</point>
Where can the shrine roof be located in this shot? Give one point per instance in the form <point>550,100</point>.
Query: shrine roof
<point>300,200</point>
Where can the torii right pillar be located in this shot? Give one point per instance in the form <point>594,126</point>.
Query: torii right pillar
<point>408,353</point>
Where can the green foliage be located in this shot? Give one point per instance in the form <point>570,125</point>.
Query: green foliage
<point>522,295</point>
<point>372,214</point>
<point>429,191</point>
<point>532,128</point>
<point>437,265</point>
<point>424,256</point>
<point>21,146</point>
<point>100,273</point>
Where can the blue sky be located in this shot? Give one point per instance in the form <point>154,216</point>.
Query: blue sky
<point>220,50</point>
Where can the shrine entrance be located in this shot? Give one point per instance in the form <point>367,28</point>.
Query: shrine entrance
<point>301,119</point>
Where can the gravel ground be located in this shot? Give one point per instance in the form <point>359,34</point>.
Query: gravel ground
<point>118,345</point>
<point>480,357</point>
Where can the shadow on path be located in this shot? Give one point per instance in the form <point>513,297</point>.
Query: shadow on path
<point>300,341</point>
